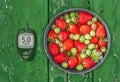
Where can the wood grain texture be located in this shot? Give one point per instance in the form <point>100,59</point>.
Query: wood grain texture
<point>5,45</point>
<point>79,4</point>
<point>56,6</point>
<point>19,71</point>
<point>116,40</point>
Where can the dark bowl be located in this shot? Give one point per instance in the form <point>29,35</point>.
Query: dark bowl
<point>73,71</point>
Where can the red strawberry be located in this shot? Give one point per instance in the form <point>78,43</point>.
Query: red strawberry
<point>85,29</point>
<point>98,24</point>
<point>72,62</point>
<point>52,34</point>
<point>63,35</point>
<point>60,58</point>
<point>80,46</point>
<point>73,28</point>
<point>84,17</point>
<point>79,59</point>
<point>79,25</point>
<point>102,43</point>
<point>68,44</point>
<point>54,48</point>
<point>61,23</point>
<point>94,40</point>
<point>99,50</point>
<point>88,62</point>
<point>100,31</point>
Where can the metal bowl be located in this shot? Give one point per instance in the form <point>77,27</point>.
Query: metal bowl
<point>73,71</point>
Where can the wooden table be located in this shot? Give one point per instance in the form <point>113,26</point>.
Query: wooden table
<point>13,16</point>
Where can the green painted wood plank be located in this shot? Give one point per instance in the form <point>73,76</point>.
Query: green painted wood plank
<point>109,11</point>
<point>5,15</point>
<point>116,40</point>
<point>79,4</point>
<point>56,6</point>
<point>35,12</point>
<point>88,76</point>
<point>55,74</point>
<point>4,77</point>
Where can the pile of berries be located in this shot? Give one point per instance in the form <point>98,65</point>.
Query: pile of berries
<point>77,40</point>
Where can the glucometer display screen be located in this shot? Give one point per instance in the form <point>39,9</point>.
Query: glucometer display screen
<point>25,40</point>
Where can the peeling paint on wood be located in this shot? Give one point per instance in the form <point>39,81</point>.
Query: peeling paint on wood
<point>55,6</point>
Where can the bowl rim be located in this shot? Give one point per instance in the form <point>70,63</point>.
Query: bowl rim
<point>73,71</point>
